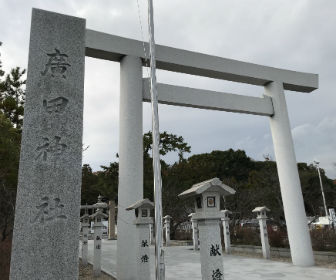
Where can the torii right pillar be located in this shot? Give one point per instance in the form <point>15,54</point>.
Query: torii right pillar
<point>296,220</point>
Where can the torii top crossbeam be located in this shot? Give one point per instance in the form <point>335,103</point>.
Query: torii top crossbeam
<point>110,47</point>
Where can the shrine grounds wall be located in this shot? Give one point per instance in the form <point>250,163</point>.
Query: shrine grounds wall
<point>319,256</point>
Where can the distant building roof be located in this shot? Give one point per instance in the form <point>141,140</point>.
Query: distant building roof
<point>213,184</point>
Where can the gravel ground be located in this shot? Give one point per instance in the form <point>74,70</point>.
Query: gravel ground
<point>86,273</point>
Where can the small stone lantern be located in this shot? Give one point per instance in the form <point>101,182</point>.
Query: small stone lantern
<point>98,217</point>
<point>142,221</point>
<point>262,217</point>
<point>194,231</point>
<point>207,213</point>
<point>226,230</point>
<point>85,223</point>
<point>166,225</point>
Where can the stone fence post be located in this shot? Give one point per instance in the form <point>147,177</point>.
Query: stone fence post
<point>226,230</point>
<point>262,217</point>
<point>194,227</point>
<point>166,226</point>
<point>111,220</point>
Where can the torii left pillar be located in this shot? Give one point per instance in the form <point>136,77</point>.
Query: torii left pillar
<point>130,164</point>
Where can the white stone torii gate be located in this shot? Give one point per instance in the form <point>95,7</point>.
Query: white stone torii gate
<point>51,31</point>
<point>134,90</point>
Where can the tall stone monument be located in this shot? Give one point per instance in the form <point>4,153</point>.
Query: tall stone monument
<point>46,229</point>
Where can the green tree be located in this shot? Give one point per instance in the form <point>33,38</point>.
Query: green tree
<point>107,184</point>
<point>168,143</point>
<point>11,114</point>
<point>10,138</point>
<point>12,96</point>
<point>89,193</point>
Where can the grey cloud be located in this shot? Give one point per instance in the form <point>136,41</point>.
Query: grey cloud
<point>297,35</point>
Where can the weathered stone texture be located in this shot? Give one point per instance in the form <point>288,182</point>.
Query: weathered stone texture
<point>46,231</point>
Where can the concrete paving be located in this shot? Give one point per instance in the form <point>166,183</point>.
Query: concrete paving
<point>184,263</point>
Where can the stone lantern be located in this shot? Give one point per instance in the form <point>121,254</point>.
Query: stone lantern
<point>166,225</point>
<point>226,230</point>
<point>207,213</point>
<point>85,223</point>
<point>194,231</point>
<point>142,221</point>
<point>262,217</point>
<point>98,217</point>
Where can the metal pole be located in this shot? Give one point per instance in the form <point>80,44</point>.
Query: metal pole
<point>322,190</point>
<point>159,254</point>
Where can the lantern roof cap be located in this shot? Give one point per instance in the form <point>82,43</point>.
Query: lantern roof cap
<point>225,211</point>
<point>98,214</point>
<point>213,184</point>
<point>261,208</point>
<point>143,203</point>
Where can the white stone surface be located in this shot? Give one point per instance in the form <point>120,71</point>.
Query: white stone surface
<point>111,47</point>
<point>182,262</point>
<point>130,163</point>
<point>211,100</point>
<point>210,249</point>
<point>143,255</point>
<point>296,220</point>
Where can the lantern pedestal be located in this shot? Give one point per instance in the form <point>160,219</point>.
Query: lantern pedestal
<point>262,217</point>
<point>142,222</point>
